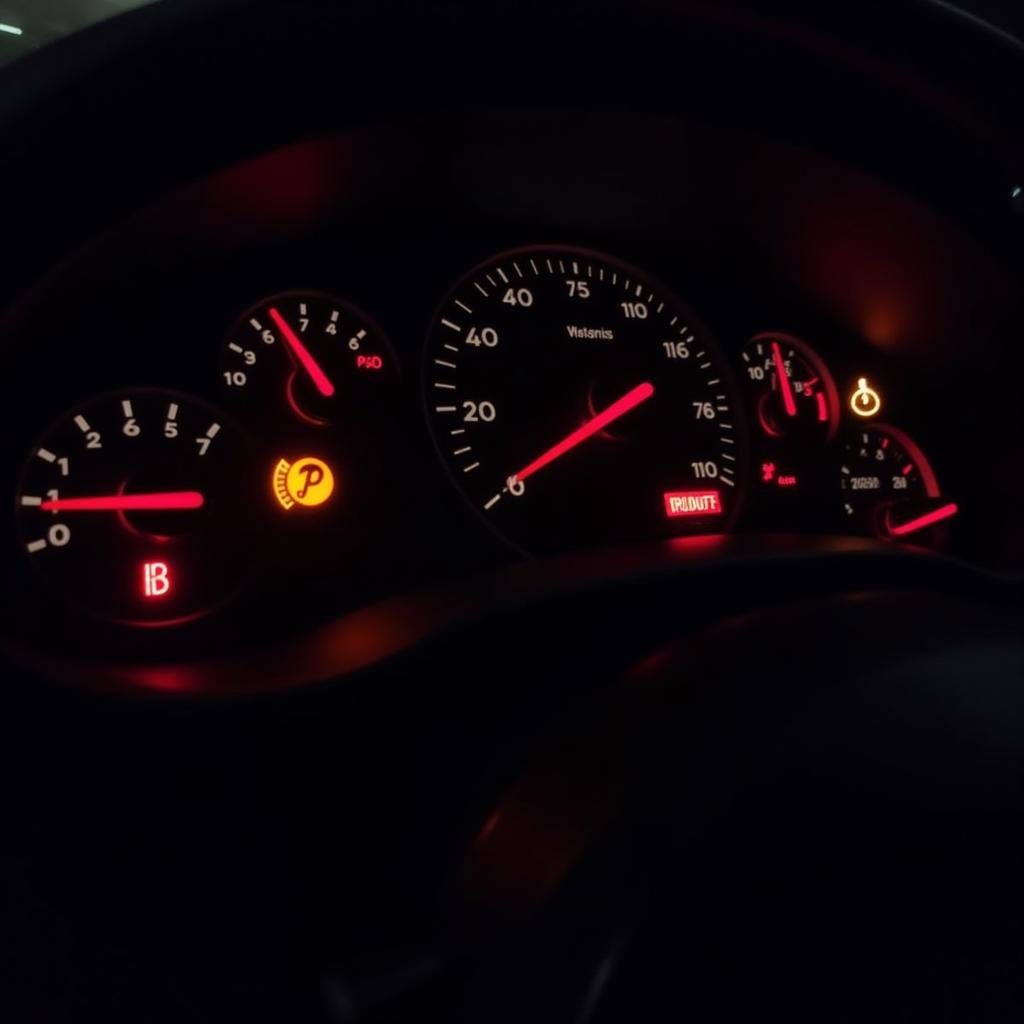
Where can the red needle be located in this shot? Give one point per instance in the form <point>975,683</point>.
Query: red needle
<point>628,401</point>
<point>784,385</point>
<point>304,356</point>
<point>928,519</point>
<point>127,502</point>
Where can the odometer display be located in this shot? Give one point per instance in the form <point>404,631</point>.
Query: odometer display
<point>576,402</point>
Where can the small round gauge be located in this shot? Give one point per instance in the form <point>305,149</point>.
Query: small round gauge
<point>793,391</point>
<point>888,488</point>
<point>306,355</point>
<point>132,506</point>
<point>576,402</point>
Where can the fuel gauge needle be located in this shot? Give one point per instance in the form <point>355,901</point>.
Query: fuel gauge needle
<point>617,409</point>
<point>304,356</point>
<point>161,502</point>
<point>938,514</point>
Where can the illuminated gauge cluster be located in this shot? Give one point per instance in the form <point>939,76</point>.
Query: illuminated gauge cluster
<point>314,380</point>
<point>823,462</point>
<point>151,507</point>
<point>573,399</point>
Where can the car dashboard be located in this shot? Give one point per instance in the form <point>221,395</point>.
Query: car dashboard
<point>325,376</point>
<point>502,500</point>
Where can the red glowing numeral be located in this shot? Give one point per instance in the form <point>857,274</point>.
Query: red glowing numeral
<point>156,579</point>
<point>369,362</point>
<point>692,503</point>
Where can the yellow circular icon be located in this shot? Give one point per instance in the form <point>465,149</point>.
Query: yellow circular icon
<point>307,481</point>
<point>865,401</point>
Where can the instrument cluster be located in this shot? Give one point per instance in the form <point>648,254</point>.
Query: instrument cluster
<point>574,401</point>
<point>281,433</point>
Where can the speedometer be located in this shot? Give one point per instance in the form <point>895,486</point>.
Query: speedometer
<point>576,402</point>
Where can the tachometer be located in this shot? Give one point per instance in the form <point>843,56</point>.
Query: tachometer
<point>305,355</point>
<point>577,402</point>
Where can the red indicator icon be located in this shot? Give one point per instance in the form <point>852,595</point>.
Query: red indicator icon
<point>770,475</point>
<point>156,579</point>
<point>692,503</point>
<point>369,363</point>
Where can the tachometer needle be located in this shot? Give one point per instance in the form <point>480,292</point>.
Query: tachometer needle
<point>921,522</point>
<point>304,356</point>
<point>165,501</point>
<point>784,384</point>
<point>628,401</point>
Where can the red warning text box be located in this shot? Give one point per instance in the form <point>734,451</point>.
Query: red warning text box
<point>692,503</point>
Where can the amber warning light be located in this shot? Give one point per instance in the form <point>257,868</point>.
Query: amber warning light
<point>307,481</point>
<point>692,503</point>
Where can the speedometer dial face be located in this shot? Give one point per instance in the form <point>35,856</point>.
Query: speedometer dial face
<point>577,402</point>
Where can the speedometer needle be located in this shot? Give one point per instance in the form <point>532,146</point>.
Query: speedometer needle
<point>784,385</point>
<point>628,401</point>
<point>304,356</point>
<point>165,501</point>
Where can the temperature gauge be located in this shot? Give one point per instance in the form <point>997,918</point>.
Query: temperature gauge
<point>793,391</point>
<point>306,356</point>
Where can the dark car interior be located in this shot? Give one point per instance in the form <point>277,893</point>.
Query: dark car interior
<point>514,512</point>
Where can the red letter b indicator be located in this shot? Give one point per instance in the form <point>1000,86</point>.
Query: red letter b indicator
<point>156,579</point>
